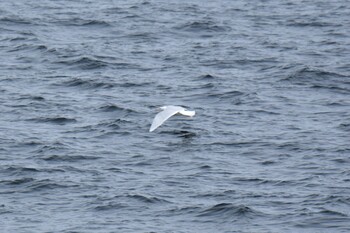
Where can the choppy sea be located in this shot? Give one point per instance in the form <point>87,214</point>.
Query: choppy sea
<point>268,149</point>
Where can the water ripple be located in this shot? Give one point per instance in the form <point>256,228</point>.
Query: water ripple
<point>268,148</point>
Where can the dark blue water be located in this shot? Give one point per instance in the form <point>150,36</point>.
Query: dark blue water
<point>269,147</point>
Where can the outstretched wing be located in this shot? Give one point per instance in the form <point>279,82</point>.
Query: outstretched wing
<point>163,116</point>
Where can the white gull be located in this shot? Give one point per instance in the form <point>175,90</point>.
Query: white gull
<point>167,112</point>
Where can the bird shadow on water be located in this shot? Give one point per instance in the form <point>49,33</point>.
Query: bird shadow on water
<point>184,134</point>
<point>183,138</point>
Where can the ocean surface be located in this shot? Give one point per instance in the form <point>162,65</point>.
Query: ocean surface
<point>268,149</point>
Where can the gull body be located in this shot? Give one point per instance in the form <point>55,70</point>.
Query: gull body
<point>166,113</point>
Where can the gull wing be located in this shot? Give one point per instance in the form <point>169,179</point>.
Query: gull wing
<point>188,113</point>
<point>164,115</point>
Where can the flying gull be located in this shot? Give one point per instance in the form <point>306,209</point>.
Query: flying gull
<point>167,112</point>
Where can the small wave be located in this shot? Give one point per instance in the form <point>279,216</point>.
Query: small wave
<point>132,84</point>
<point>28,47</point>
<point>17,181</point>
<point>232,96</point>
<point>332,213</point>
<point>202,26</point>
<point>268,162</point>
<point>4,209</point>
<point>14,20</point>
<point>104,127</point>
<point>344,126</point>
<point>132,16</point>
<point>185,210</point>
<point>53,147</point>
<point>205,81</point>
<point>25,36</point>
<point>115,108</point>
<point>233,143</point>
<point>331,199</point>
<point>123,201</point>
<point>228,94</point>
<point>324,219</point>
<point>263,112</point>
<point>46,184</point>
<point>86,63</point>
<point>116,10</point>
<point>112,125</point>
<point>83,22</point>
<point>85,83</point>
<point>110,206</point>
<point>36,98</point>
<point>206,86</point>
<point>342,160</point>
<point>207,77</point>
<point>317,78</point>
<point>251,180</point>
<point>311,23</point>
<point>54,120</point>
<point>145,199</point>
<point>94,62</point>
<point>228,210</point>
<point>111,108</point>
<point>67,158</point>
<point>18,170</point>
<point>142,36</point>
